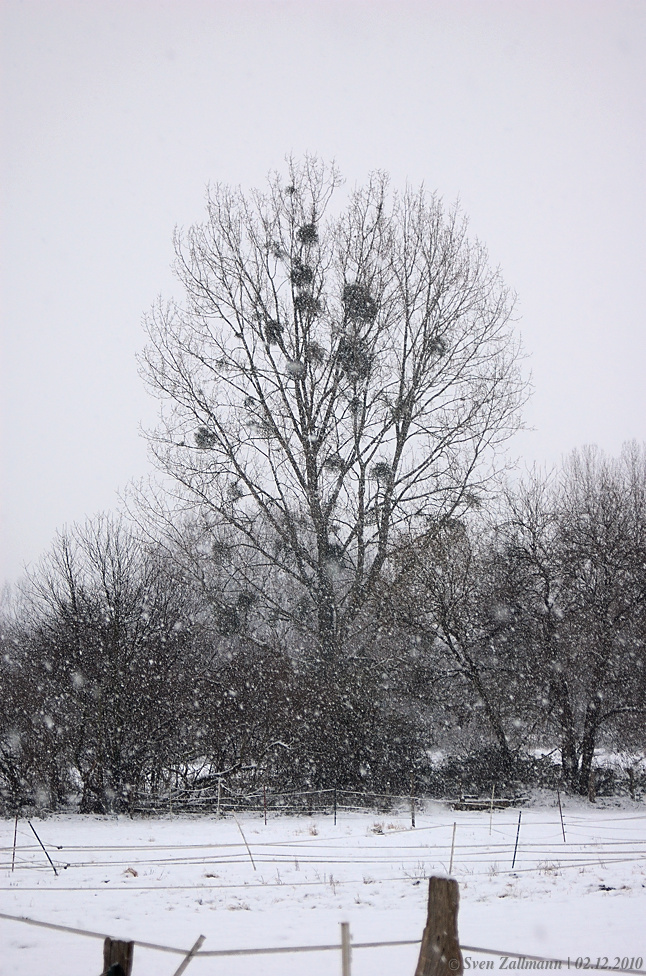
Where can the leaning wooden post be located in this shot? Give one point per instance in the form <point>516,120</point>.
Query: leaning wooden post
<point>558,797</point>
<point>33,830</point>
<point>190,955</point>
<point>440,953</point>
<point>513,861</point>
<point>117,957</point>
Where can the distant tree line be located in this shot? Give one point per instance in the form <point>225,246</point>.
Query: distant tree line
<point>125,667</point>
<point>327,586</point>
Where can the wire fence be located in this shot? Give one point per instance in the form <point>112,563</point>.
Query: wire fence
<point>384,848</point>
<point>413,851</point>
<point>214,794</point>
<point>571,962</point>
<point>218,797</point>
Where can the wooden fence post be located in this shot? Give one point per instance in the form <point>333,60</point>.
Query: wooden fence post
<point>345,949</point>
<point>117,957</point>
<point>440,953</point>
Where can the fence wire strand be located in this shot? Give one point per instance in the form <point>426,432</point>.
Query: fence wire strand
<point>276,950</point>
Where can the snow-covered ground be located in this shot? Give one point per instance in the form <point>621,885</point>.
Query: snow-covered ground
<point>166,881</point>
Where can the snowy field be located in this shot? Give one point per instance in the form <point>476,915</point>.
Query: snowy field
<point>166,881</point>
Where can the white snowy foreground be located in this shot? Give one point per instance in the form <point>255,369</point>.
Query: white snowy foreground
<point>168,880</point>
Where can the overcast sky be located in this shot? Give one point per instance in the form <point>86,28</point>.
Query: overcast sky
<point>117,114</point>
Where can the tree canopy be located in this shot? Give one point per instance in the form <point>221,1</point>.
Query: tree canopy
<point>337,373</point>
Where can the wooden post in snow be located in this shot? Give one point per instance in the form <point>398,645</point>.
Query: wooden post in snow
<point>117,957</point>
<point>452,849</point>
<point>558,797</point>
<point>513,860</point>
<point>440,952</point>
<point>190,955</point>
<point>346,951</point>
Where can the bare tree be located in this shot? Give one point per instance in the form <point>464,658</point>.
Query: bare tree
<point>107,632</point>
<point>334,376</point>
<point>603,545</point>
<point>577,551</point>
<point>445,590</point>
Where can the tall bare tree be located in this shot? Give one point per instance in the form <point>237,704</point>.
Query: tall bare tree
<point>334,375</point>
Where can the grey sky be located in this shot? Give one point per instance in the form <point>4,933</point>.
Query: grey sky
<point>116,115</point>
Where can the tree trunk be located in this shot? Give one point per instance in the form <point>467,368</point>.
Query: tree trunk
<point>588,743</point>
<point>569,753</point>
<point>327,631</point>
<point>491,712</point>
